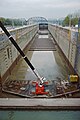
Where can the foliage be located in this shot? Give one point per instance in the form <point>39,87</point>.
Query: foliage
<point>2,20</point>
<point>8,22</point>
<point>74,21</point>
<point>12,22</point>
<point>66,21</point>
<point>69,21</point>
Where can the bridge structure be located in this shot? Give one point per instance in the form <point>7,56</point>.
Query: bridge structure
<point>67,40</point>
<point>36,20</point>
<point>41,21</point>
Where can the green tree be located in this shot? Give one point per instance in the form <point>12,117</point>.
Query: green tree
<point>2,20</point>
<point>8,21</point>
<point>74,21</point>
<point>11,22</point>
<point>70,21</point>
<point>66,21</point>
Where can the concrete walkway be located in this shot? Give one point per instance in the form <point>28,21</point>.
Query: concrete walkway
<point>26,103</point>
<point>43,44</point>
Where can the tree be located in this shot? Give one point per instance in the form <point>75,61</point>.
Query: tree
<point>8,21</point>
<point>74,21</point>
<point>11,22</point>
<point>66,21</point>
<point>2,20</point>
<point>70,21</point>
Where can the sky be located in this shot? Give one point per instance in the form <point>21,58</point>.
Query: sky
<point>44,8</point>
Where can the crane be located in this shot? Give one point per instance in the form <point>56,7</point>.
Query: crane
<point>39,87</point>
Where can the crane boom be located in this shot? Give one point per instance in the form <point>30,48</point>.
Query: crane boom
<point>21,52</point>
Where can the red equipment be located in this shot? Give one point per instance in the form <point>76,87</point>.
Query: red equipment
<point>39,89</point>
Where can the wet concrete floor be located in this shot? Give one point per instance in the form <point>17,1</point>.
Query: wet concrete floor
<point>50,63</point>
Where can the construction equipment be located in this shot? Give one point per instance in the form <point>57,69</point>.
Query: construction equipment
<point>40,88</point>
<point>73,78</point>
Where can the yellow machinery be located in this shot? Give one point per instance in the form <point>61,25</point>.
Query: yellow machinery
<point>73,78</point>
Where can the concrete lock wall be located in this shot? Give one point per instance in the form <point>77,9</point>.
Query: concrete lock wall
<point>67,41</point>
<point>8,53</point>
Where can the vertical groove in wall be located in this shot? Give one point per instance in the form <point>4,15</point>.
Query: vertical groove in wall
<point>10,50</point>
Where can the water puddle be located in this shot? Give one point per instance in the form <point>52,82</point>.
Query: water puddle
<point>48,64</point>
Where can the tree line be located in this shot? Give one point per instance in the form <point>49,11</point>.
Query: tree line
<point>12,22</point>
<point>70,21</point>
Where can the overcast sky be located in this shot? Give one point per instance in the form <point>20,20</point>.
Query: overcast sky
<point>45,8</point>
